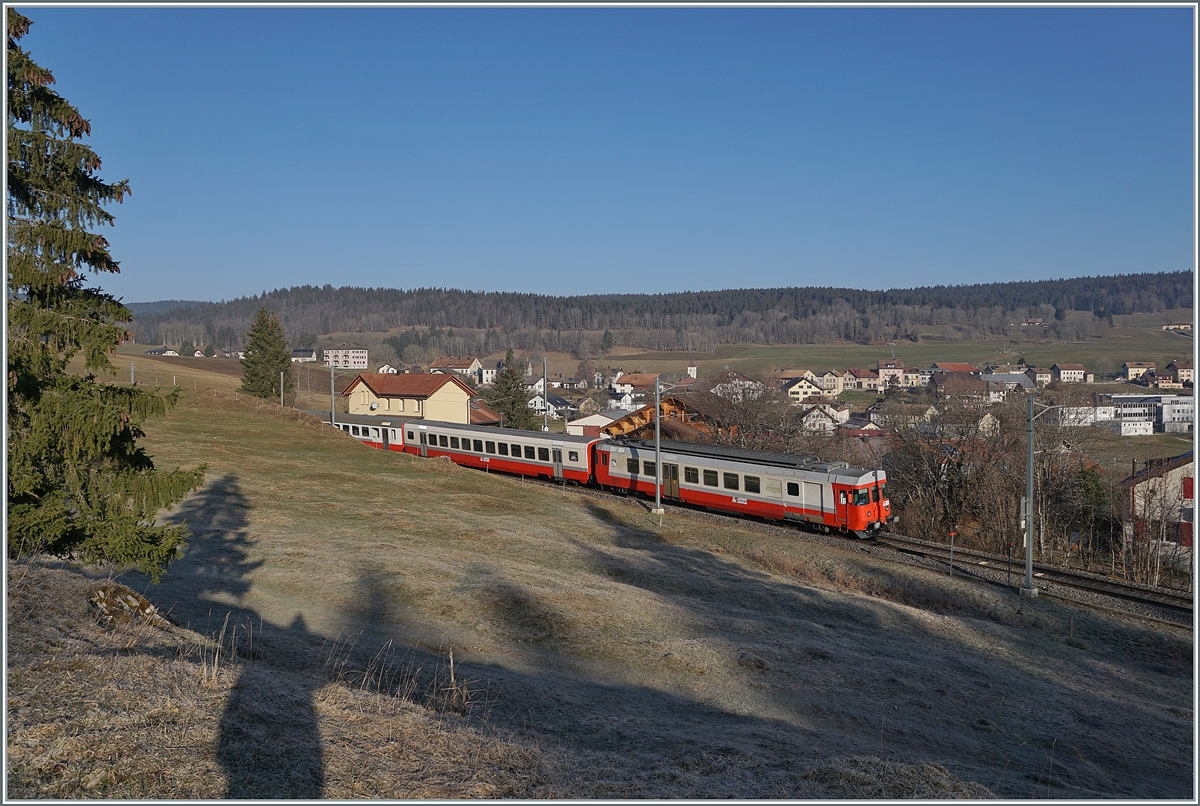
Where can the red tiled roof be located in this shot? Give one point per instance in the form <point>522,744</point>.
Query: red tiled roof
<point>453,362</point>
<point>385,384</point>
<point>483,414</point>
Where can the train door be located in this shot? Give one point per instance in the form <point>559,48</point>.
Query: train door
<point>384,432</point>
<point>556,457</point>
<point>843,507</point>
<point>670,480</point>
<point>424,444</point>
<point>814,502</point>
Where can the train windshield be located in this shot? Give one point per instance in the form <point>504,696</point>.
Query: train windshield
<point>861,497</point>
<point>883,490</point>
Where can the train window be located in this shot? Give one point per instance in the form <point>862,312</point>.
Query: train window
<point>491,446</point>
<point>503,446</point>
<point>710,478</point>
<point>731,481</point>
<point>631,466</point>
<point>842,497</point>
<point>572,456</point>
<point>794,488</point>
<point>883,491</point>
<point>375,433</point>
<point>453,442</point>
<point>861,497</point>
<point>443,441</point>
<point>410,435</point>
<point>346,428</point>
<point>604,459</point>
<point>478,445</point>
<point>529,454</point>
<point>752,484</point>
<point>516,450</point>
<point>354,430</point>
<point>691,475</point>
<point>875,495</point>
<point>543,454</point>
<point>648,467</point>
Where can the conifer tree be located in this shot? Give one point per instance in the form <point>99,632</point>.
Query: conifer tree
<point>509,397</point>
<point>78,485</point>
<point>267,355</point>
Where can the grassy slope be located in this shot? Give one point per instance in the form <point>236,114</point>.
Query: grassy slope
<point>697,658</point>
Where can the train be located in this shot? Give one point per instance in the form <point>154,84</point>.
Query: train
<point>822,496</point>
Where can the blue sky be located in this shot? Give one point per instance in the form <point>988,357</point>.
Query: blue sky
<point>567,151</point>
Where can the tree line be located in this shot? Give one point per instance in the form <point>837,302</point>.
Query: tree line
<point>489,321</point>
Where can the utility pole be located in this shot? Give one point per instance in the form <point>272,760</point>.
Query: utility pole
<point>131,381</point>
<point>281,389</point>
<point>1028,589</point>
<point>331,422</point>
<point>658,507</point>
<point>545,397</point>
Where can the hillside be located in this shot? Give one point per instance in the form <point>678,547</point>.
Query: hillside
<point>595,652</point>
<point>487,322</point>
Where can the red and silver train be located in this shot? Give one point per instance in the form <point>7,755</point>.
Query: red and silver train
<point>828,496</point>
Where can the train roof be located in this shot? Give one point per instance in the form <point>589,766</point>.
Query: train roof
<point>499,433</point>
<point>771,458</point>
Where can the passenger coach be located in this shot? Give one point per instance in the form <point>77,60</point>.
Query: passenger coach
<point>777,486</point>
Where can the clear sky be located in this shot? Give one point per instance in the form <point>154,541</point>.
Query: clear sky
<point>567,151</point>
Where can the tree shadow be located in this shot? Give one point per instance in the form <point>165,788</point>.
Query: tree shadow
<point>268,743</point>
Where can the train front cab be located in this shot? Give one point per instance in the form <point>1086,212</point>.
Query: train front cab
<point>863,508</point>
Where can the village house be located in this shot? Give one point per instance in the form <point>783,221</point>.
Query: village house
<point>1158,501</point>
<point>890,372</point>
<point>898,416</point>
<point>801,389</point>
<point>1071,373</point>
<point>428,397</point>
<point>831,382</point>
<point>861,379</point>
<point>1181,371</point>
<point>944,366</point>
<point>346,356</point>
<point>590,425</point>
<point>466,366</point>
<point>387,369</point>
<point>533,384</point>
<point>736,387</point>
<point>1039,375</point>
<point>1132,370</point>
<point>553,405</point>
<point>1011,381</point>
<point>824,417</point>
<point>304,355</point>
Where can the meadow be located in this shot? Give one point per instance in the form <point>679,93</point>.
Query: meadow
<point>424,630</point>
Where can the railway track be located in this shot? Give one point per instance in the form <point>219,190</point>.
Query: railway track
<point>1046,577</point>
<point>1080,587</point>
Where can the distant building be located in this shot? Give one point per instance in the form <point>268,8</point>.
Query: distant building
<point>890,371</point>
<point>1181,371</point>
<point>346,356</point>
<point>590,425</point>
<point>1069,373</point>
<point>1132,370</point>
<point>1040,375</point>
<point>303,355</point>
<point>463,365</point>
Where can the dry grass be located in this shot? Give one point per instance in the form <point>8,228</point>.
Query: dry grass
<point>595,653</point>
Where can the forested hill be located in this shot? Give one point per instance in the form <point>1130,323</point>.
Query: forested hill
<point>693,321</point>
